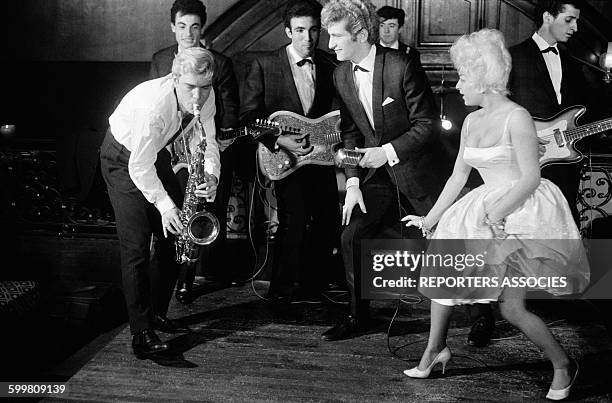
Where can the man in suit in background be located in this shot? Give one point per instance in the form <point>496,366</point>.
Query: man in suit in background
<point>544,80</point>
<point>387,111</point>
<point>188,18</point>
<point>298,78</point>
<point>391,21</point>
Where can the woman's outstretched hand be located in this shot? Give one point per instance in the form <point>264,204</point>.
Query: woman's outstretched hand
<point>413,221</point>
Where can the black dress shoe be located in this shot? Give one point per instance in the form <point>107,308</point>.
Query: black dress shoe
<point>351,327</point>
<point>147,343</point>
<point>168,325</point>
<point>481,331</point>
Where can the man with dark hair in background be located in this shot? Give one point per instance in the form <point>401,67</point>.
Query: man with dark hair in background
<point>188,18</point>
<point>544,79</point>
<point>298,78</point>
<point>391,21</point>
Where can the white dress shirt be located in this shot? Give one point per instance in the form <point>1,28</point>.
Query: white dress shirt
<point>364,82</point>
<point>304,76</point>
<point>394,45</point>
<point>145,121</point>
<point>553,63</point>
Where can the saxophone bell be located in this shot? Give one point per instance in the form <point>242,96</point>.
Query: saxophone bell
<point>203,228</point>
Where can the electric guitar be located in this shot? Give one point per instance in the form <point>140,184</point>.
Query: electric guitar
<point>562,132</point>
<point>179,149</point>
<point>322,133</point>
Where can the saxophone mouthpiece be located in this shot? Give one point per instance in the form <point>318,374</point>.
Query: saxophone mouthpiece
<point>196,110</point>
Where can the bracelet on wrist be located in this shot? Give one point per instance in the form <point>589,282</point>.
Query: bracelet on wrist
<point>499,225</point>
<point>425,231</point>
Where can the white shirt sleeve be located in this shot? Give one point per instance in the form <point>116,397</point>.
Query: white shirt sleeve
<point>391,154</point>
<point>147,135</point>
<point>212,161</point>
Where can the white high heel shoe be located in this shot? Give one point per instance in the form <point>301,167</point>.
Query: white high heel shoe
<point>443,357</point>
<point>560,394</point>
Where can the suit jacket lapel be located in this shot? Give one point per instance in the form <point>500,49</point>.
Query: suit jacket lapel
<point>540,65</point>
<point>565,70</point>
<point>287,77</point>
<point>352,101</point>
<point>377,93</point>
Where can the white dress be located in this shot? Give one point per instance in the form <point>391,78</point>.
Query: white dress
<point>543,239</point>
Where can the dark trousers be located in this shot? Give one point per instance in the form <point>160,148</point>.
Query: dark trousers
<point>147,285</point>
<point>216,264</point>
<point>384,211</point>
<point>308,231</point>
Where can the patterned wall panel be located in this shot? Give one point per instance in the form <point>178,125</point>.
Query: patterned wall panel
<point>595,196</point>
<point>442,21</point>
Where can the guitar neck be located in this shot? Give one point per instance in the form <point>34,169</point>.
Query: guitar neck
<point>233,133</point>
<point>588,130</point>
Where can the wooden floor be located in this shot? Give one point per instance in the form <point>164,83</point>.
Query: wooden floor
<point>244,349</point>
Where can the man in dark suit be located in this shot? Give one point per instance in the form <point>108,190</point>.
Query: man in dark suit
<point>188,18</point>
<point>544,80</point>
<point>391,21</point>
<point>298,78</point>
<point>388,112</point>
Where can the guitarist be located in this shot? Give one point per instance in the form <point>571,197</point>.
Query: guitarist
<point>388,111</point>
<point>187,20</point>
<point>544,80</point>
<point>298,78</point>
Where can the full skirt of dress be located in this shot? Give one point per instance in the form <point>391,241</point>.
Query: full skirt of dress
<point>543,242</point>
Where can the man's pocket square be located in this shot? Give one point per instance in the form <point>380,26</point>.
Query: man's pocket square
<point>388,101</point>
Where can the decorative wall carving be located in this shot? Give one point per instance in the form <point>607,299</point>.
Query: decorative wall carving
<point>595,196</point>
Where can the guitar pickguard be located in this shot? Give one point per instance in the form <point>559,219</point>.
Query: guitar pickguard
<point>558,145</point>
<point>277,165</point>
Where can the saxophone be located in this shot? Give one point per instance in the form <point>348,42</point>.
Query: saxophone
<point>200,227</point>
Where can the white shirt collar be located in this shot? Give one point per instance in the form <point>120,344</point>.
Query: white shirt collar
<point>294,57</point>
<point>541,42</point>
<point>394,45</point>
<point>368,62</point>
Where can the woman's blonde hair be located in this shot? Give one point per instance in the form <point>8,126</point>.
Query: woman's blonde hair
<point>483,60</point>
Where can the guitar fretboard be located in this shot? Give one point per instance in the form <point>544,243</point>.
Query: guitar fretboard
<point>588,130</point>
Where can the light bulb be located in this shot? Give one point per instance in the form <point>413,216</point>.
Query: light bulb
<point>446,124</point>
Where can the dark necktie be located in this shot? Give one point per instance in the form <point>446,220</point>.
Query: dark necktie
<point>358,67</point>
<point>551,49</point>
<point>304,61</point>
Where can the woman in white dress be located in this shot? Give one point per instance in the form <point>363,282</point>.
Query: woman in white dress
<point>500,141</point>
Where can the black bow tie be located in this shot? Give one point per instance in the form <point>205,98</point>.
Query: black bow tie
<point>304,61</point>
<point>551,49</point>
<point>358,67</point>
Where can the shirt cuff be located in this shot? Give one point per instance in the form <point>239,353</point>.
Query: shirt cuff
<point>164,205</point>
<point>391,155</point>
<point>350,182</point>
